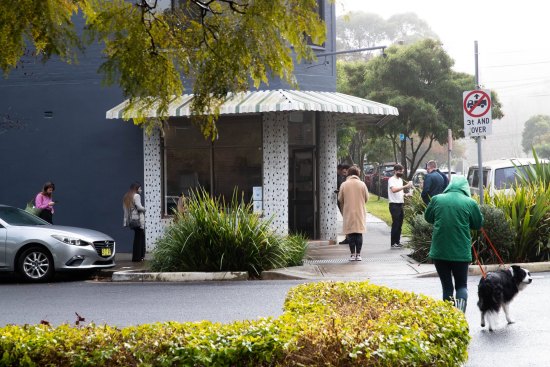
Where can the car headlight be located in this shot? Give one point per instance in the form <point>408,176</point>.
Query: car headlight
<point>70,240</point>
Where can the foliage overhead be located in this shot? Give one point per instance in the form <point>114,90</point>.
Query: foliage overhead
<point>221,45</point>
<point>536,135</point>
<point>417,79</point>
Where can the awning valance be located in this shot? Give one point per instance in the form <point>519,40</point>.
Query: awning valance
<point>251,102</point>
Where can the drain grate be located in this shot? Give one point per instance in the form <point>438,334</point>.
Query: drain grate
<point>346,260</point>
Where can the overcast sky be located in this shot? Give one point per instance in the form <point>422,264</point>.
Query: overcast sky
<point>514,53</point>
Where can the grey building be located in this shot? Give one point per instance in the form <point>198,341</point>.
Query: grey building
<point>276,145</point>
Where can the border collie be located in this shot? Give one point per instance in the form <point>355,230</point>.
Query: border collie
<point>497,290</point>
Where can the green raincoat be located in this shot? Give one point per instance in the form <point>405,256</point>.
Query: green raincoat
<point>453,214</point>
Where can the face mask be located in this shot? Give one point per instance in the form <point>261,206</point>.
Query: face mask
<point>399,174</point>
<point>140,190</point>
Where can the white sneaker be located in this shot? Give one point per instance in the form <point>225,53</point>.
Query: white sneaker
<point>352,257</point>
<point>358,258</point>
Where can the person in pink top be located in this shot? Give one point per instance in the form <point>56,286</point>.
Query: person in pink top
<point>45,202</point>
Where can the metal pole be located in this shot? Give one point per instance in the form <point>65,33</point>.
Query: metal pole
<point>479,159</point>
<point>449,150</point>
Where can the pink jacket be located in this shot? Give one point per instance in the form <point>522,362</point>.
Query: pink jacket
<point>42,202</point>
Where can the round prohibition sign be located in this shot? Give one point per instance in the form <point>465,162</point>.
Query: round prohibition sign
<point>484,102</point>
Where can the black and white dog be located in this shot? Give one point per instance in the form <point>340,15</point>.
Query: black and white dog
<point>497,290</point>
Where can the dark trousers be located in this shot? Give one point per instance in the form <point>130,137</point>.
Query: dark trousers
<point>396,211</point>
<point>355,241</point>
<point>46,215</point>
<point>138,252</point>
<point>447,270</point>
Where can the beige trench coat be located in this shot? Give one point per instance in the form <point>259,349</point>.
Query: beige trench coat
<point>353,196</point>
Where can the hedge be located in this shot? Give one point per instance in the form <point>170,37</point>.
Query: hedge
<point>327,323</point>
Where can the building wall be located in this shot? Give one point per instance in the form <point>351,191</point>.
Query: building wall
<point>319,75</point>
<point>53,127</point>
<point>92,160</point>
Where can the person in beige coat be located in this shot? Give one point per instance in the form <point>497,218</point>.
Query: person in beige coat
<point>353,196</point>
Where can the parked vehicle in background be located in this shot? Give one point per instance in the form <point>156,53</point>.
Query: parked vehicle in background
<point>378,183</point>
<point>368,172</point>
<point>498,175</point>
<point>36,249</point>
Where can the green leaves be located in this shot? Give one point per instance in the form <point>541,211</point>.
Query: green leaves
<point>222,47</point>
<point>46,25</point>
<point>217,236</point>
<point>417,79</point>
<point>323,324</point>
<point>536,135</point>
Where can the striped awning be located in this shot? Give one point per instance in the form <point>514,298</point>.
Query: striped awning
<point>253,102</point>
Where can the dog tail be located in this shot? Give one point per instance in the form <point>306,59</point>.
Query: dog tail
<point>489,295</point>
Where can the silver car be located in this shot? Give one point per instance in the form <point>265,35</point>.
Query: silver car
<point>36,249</point>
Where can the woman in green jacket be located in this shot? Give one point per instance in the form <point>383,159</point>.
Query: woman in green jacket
<point>453,214</point>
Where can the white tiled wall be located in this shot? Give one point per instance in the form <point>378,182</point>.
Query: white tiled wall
<point>275,177</point>
<point>154,223</point>
<point>327,177</point>
<point>275,174</point>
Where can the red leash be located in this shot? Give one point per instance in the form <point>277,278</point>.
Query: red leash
<point>483,272</point>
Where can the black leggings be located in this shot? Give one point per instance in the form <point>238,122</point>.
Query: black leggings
<point>138,252</point>
<point>447,270</point>
<point>46,215</point>
<point>355,241</point>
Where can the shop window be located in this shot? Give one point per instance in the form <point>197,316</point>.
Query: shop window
<point>233,160</point>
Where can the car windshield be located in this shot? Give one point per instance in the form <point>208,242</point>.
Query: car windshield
<point>17,217</point>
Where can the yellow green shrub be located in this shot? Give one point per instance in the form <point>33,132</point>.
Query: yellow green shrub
<point>324,324</point>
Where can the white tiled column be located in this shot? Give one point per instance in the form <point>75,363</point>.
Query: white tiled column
<point>275,170</point>
<point>154,223</point>
<point>327,177</point>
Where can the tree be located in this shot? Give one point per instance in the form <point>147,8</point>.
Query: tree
<point>362,30</point>
<point>354,143</point>
<point>536,134</point>
<point>221,45</point>
<point>419,81</point>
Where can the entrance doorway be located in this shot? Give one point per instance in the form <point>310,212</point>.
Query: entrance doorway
<point>302,216</point>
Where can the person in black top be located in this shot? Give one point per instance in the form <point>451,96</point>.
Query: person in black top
<point>434,182</point>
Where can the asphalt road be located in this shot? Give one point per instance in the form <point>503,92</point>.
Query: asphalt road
<point>524,343</point>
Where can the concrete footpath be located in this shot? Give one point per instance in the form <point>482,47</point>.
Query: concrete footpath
<point>323,261</point>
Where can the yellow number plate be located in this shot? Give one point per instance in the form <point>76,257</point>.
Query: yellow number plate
<point>106,252</point>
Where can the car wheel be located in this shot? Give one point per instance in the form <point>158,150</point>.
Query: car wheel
<point>36,265</point>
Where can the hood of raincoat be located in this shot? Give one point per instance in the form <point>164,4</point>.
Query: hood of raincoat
<point>459,184</point>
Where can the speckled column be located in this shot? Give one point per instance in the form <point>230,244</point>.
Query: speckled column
<point>275,173</point>
<point>154,223</point>
<point>327,177</point>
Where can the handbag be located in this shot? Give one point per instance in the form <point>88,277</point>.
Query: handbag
<point>133,220</point>
<point>30,208</point>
